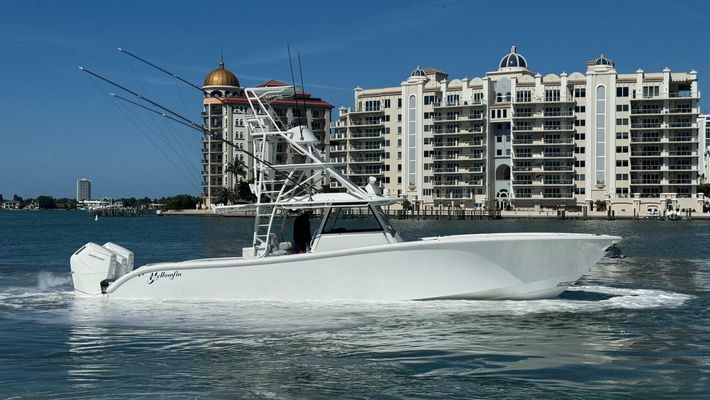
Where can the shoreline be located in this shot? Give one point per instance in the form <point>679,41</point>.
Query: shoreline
<point>532,215</point>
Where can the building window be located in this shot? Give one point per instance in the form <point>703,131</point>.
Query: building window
<point>580,136</point>
<point>580,109</point>
<point>552,94</point>
<point>622,121</point>
<point>622,163</point>
<point>580,92</point>
<point>387,103</point>
<point>523,96</point>
<point>601,135</point>
<point>580,122</point>
<point>579,163</point>
<point>399,103</point>
<point>412,141</point>
<point>372,105</point>
<point>622,91</point>
<point>622,107</point>
<point>650,91</point>
<point>622,135</point>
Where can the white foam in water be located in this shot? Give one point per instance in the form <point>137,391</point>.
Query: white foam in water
<point>47,280</point>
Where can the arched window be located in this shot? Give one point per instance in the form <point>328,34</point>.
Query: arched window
<point>601,135</point>
<point>412,142</point>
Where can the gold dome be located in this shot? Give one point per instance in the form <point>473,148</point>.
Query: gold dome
<point>221,77</point>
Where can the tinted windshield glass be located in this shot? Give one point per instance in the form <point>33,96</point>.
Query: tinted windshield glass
<point>356,219</point>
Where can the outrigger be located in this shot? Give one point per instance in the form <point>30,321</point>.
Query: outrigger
<point>362,258</point>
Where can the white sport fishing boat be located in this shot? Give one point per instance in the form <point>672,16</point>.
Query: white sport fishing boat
<point>354,253</point>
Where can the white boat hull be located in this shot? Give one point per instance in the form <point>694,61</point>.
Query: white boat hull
<point>487,266</point>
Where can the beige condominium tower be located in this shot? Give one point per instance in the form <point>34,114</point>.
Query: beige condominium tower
<point>225,110</point>
<point>517,139</point>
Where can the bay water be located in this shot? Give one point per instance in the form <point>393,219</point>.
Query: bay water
<point>637,327</point>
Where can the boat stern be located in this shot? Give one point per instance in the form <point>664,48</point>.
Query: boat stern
<point>94,267</point>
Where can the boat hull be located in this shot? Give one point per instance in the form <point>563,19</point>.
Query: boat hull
<point>492,266</point>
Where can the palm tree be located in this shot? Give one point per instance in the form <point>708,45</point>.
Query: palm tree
<point>226,196</point>
<point>237,168</point>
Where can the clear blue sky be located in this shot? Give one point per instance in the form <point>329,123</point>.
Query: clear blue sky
<point>56,125</point>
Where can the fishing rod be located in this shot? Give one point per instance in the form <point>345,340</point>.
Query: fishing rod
<point>192,85</point>
<point>173,116</point>
<point>124,51</point>
<point>202,130</point>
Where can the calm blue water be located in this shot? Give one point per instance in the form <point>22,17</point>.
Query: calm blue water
<point>634,328</point>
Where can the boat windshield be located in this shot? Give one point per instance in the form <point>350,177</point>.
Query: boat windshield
<point>352,219</point>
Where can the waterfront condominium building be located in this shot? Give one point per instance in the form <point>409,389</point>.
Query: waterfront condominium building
<point>704,139</point>
<point>517,138</point>
<point>83,189</point>
<point>225,111</point>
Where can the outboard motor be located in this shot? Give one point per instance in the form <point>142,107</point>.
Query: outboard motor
<point>93,267</point>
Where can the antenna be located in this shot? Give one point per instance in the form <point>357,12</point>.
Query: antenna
<point>293,80</point>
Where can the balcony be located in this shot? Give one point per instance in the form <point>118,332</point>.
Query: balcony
<point>645,139</point>
<point>365,172</point>
<point>455,183</point>
<point>559,154</point>
<point>558,168</point>
<point>366,160</point>
<point>366,124</point>
<point>646,181</point>
<point>681,110</point>
<point>682,153</point>
<point>378,147</point>
<point>646,125</point>
<point>682,124</point>
<point>557,114</point>
<point>547,127</point>
<point>687,181</point>
<point>684,138</point>
<point>459,104</point>
<point>646,153</point>
<point>645,167</point>
<point>372,110</point>
<point>558,195</point>
<point>363,136</point>
<point>338,136</point>
<point>647,111</point>
<point>682,168</point>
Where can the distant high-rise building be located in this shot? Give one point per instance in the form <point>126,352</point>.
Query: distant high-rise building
<point>83,189</point>
<point>225,112</point>
<point>704,139</point>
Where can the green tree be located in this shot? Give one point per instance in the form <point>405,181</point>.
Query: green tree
<point>237,169</point>
<point>225,195</point>
<point>46,202</point>
<point>180,202</point>
<point>704,188</point>
<point>600,205</point>
<point>244,192</point>
<point>16,198</point>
